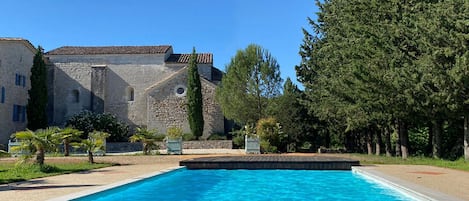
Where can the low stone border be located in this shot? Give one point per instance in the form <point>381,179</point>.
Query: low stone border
<point>120,147</point>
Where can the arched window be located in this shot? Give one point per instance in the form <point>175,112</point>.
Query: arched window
<point>130,94</point>
<point>2,97</point>
<point>76,96</point>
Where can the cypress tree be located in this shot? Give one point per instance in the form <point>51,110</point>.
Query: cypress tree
<point>194,98</point>
<point>37,101</point>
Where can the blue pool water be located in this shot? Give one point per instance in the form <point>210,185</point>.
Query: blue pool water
<point>252,185</point>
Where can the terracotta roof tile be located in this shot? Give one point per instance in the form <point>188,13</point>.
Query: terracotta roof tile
<point>202,58</point>
<point>77,50</point>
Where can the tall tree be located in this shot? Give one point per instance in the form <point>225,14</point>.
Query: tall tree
<point>251,82</point>
<point>194,98</point>
<point>297,124</point>
<point>37,102</point>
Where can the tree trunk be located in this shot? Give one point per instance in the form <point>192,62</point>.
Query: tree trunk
<point>379,141</point>
<point>40,156</point>
<point>369,142</point>
<point>429,150</point>
<point>387,141</point>
<point>66,147</point>
<point>145,148</point>
<point>437,137</point>
<point>90,157</point>
<point>404,138</point>
<point>466,135</point>
<point>398,141</point>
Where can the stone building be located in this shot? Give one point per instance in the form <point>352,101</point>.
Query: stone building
<point>16,60</point>
<point>141,85</point>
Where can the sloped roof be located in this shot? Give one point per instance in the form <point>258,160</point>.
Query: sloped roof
<point>79,50</point>
<point>202,58</point>
<point>22,40</point>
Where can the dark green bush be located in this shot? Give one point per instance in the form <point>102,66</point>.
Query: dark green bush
<point>87,122</point>
<point>217,136</point>
<point>188,137</point>
<point>238,138</point>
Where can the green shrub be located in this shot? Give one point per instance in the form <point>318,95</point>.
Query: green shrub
<point>174,133</point>
<point>238,138</point>
<point>88,122</point>
<point>217,136</point>
<point>188,137</point>
<point>270,133</point>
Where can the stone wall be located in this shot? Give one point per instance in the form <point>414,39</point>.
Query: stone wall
<point>16,57</point>
<point>167,108</point>
<point>120,147</point>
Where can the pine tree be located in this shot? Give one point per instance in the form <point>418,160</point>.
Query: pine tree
<point>37,102</point>
<point>251,83</point>
<point>194,98</point>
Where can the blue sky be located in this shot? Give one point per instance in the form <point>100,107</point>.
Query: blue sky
<point>218,26</point>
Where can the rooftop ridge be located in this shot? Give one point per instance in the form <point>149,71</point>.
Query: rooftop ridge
<point>93,50</point>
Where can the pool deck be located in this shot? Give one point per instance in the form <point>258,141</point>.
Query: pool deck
<point>438,183</point>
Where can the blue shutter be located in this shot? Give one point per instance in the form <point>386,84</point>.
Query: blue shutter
<point>23,113</point>
<point>3,95</point>
<point>24,81</point>
<point>15,113</point>
<point>16,79</point>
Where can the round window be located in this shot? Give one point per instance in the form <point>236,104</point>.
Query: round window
<point>180,90</point>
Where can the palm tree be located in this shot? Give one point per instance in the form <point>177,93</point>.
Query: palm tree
<point>95,142</point>
<point>67,135</point>
<point>148,139</point>
<point>40,141</point>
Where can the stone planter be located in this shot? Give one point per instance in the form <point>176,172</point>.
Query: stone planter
<point>174,146</point>
<point>252,144</point>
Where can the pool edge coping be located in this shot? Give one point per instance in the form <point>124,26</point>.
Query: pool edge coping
<point>414,190</point>
<point>105,187</point>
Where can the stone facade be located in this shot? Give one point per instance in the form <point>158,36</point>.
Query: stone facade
<point>16,60</point>
<point>141,85</point>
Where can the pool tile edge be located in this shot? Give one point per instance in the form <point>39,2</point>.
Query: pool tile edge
<point>414,190</point>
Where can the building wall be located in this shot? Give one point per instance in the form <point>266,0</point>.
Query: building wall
<point>167,108</point>
<point>146,76</point>
<point>16,57</point>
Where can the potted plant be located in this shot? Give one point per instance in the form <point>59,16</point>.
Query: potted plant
<point>174,140</point>
<point>251,140</point>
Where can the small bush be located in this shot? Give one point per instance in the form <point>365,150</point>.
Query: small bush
<point>188,137</point>
<point>270,133</point>
<point>174,133</point>
<point>217,136</point>
<point>238,138</point>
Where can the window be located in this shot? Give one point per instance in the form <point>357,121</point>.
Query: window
<point>130,94</point>
<point>20,80</point>
<point>76,96</point>
<point>19,113</point>
<point>17,79</point>
<point>2,96</point>
<point>180,91</point>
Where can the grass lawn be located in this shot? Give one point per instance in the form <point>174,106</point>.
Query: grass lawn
<point>10,172</point>
<point>373,159</point>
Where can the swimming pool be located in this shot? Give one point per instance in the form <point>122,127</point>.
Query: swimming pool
<point>253,185</point>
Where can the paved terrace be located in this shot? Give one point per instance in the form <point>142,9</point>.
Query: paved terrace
<point>444,184</point>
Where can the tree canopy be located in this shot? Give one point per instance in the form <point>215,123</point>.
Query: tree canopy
<point>252,80</point>
<point>194,98</point>
<point>37,101</point>
<point>371,65</point>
